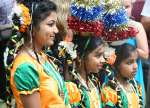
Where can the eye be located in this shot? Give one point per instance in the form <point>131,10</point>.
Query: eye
<point>50,24</point>
<point>131,62</point>
<point>127,7</point>
<point>98,55</point>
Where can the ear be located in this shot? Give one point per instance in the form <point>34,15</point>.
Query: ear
<point>33,32</point>
<point>78,61</point>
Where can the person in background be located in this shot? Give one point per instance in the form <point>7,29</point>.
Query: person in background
<point>6,7</point>
<point>65,36</point>
<point>145,20</point>
<point>123,91</point>
<point>35,80</point>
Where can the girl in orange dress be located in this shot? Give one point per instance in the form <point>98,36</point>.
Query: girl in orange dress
<point>123,91</point>
<point>35,80</point>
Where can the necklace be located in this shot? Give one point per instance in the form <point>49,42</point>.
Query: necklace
<point>92,91</point>
<point>50,68</point>
<point>129,93</point>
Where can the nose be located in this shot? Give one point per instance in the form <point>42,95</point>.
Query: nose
<point>55,29</point>
<point>102,60</point>
<point>135,66</point>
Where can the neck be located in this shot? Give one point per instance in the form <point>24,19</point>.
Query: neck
<point>123,81</point>
<point>36,47</point>
<point>83,72</point>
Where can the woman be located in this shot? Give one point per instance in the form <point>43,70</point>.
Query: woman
<point>86,92</point>
<point>35,80</point>
<point>123,91</point>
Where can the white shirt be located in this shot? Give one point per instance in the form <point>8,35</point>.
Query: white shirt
<point>146,9</point>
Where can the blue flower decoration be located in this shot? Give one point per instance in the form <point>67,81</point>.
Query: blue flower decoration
<point>115,19</point>
<point>89,14</point>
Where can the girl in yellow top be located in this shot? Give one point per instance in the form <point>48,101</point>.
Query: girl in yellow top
<point>123,91</point>
<point>35,80</point>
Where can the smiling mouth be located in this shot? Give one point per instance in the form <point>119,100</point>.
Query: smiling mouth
<point>133,73</point>
<point>100,66</point>
<point>52,37</point>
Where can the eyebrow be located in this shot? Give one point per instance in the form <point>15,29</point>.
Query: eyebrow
<point>99,51</point>
<point>51,21</point>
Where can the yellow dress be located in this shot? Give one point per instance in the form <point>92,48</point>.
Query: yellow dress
<point>119,97</point>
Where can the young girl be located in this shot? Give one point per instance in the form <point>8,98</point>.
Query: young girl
<point>141,44</point>
<point>90,60</point>
<point>123,91</point>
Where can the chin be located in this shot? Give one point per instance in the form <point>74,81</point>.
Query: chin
<point>96,71</point>
<point>50,43</point>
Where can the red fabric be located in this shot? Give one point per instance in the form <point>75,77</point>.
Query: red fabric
<point>137,9</point>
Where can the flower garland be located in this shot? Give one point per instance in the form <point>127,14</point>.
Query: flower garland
<point>116,22</point>
<point>115,35</point>
<point>85,26</point>
<point>86,13</point>
<point>86,16</point>
<point>90,92</point>
<point>21,20</point>
<point>118,18</point>
<point>122,101</point>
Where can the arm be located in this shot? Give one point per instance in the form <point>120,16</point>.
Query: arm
<point>146,23</point>
<point>31,101</point>
<point>142,44</point>
<point>141,39</point>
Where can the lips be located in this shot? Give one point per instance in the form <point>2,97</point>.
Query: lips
<point>52,37</point>
<point>133,73</point>
<point>100,66</point>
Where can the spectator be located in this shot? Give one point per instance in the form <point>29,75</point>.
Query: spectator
<point>146,23</point>
<point>5,32</point>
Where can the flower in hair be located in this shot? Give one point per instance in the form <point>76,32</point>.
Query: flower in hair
<point>65,48</point>
<point>21,18</point>
<point>110,55</point>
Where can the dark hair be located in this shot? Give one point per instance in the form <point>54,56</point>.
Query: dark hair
<point>86,44</point>
<point>41,10</point>
<point>123,52</point>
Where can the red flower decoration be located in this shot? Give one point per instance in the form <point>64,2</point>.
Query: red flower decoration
<point>114,35</point>
<point>85,26</point>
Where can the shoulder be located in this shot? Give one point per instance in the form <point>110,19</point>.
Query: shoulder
<point>135,24</point>
<point>24,74</point>
<point>73,92</point>
<point>109,94</point>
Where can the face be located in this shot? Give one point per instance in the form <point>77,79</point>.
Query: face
<point>69,36</point>
<point>128,6</point>
<point>128,67</point>
<point>94,61</point>
<point>45,35</point>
